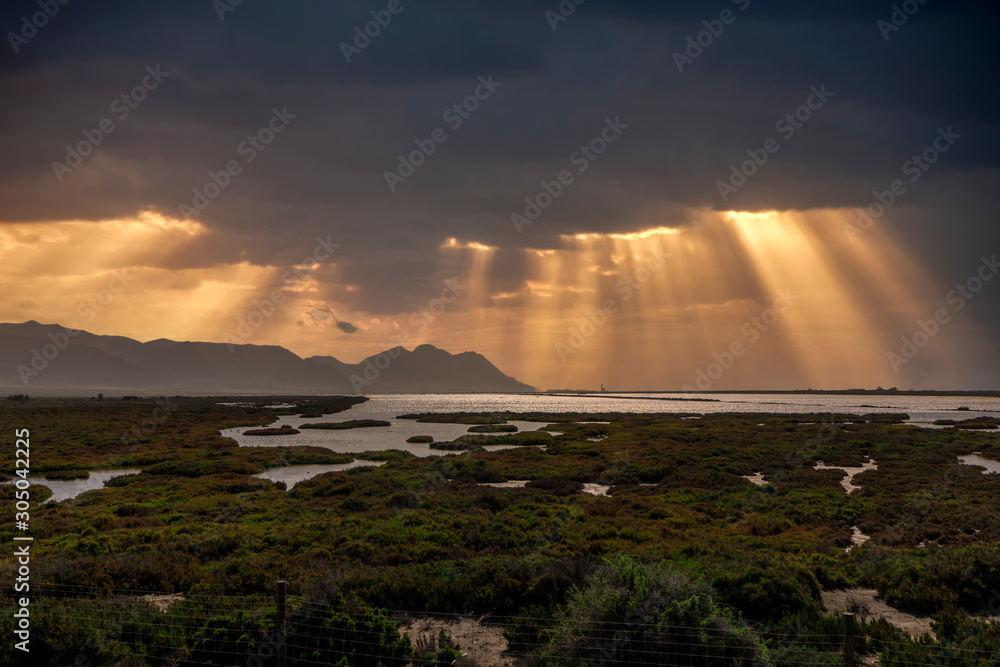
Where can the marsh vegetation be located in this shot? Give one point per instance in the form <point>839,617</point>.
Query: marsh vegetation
<point>681,535</point>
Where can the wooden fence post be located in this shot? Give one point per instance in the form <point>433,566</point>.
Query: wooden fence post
<point>280,622</point>
<point>848,640</point>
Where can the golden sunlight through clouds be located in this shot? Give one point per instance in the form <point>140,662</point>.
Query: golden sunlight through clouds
<point>649,309</point>
<point>655,308</point>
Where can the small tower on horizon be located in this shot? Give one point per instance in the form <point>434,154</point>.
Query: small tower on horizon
<point>603,390</point>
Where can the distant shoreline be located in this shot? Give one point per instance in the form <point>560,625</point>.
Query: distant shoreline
<point>975,393</point>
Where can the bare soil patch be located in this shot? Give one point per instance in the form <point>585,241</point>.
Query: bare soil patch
<point>481,645</point>
<point>162,602</point>
<point>866,602</point>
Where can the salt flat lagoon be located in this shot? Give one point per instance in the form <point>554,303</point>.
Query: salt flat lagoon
<point>923,411</point>
<point>292,475</point>
<point>369,439</point>
<point>975,459</point>
<point>71,488</point>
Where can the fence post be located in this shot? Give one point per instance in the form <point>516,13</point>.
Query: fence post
<point>280,622</point>
<point>848,640</point>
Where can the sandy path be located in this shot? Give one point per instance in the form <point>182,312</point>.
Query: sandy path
<point>869,603</point>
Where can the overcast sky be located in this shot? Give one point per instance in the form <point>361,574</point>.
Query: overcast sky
<point>643,107</point>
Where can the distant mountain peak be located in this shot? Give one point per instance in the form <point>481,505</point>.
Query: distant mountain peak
<point>108,363</point>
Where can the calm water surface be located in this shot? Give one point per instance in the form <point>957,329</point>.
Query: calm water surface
<point>922,411</point>
<point>66,489</point>
<point>976,459</point>
<point>292,475</point>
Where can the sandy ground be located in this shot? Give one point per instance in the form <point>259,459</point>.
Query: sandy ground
<point>871,605</point>
<point>846,482</point>
<point>511,484</point>
<point>592,489</point>
<point>482,645</point>
<point>857,538</point>
<point>162,602</point>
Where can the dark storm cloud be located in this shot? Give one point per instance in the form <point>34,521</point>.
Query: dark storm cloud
<point>291,41</point>
<point>346,327</point>
<point>325,173</point>
<point>682,10</point>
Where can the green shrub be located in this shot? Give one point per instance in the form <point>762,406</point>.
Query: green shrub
<point>632,613</point>
<point>768,591</point>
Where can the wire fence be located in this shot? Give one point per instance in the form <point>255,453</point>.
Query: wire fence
<point>130,628</point>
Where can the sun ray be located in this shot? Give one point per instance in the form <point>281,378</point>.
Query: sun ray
<point>681,294</point>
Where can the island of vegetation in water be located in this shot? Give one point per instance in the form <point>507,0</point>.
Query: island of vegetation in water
<point>284,429</point>
<point>493,428</point>
<point>981,423</point>
<point>340,426</point>
<point>719,534</point>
